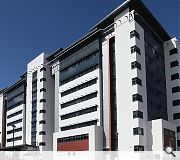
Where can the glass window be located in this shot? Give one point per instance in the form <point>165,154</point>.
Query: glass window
<point>137,97</point>
<point>138,131</point>
<point>176,89</point>
<point>174,64</point>
<point>137,114</point>
<point>134,34</point>
<point>42,100</point>
<point>136,80</point>
<point>79,100</point>
<point>135,65</point>
<point>135,49</point>
<point>175,76</point>
<point>173,51</point>
<point>176,102</point>
<point>42,69</point>
<point>42,79</point>
<point>176,116</point>
<point>138,148</point>
<point>42,133</point>
<point>42,122</point>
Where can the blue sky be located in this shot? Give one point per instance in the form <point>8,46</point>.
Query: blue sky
<point>29,27</point>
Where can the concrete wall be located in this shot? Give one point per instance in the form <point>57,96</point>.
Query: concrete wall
<point>33,66</point>
<point>156,133</point>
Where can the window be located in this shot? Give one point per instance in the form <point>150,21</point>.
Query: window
<point>43,69</point>
<point>178,129</point>
<point>174,64</point>
<point>15,130</point>
<point>80,74</point>
<point>42,122</point>
<point>176,116</point>
<point>14,139</point>
<point>135,49</point>
<point>42,100</point>
<point>34,75</point>
<point>137,114</point>
<point>79,68</point>
<point>81,86</point>
<point>73,138</point>
<point>79,100</point>
<point>136,80</point>
<point>137,97</point>
<point>173,51</point>
<point>135,65</point>
<point>79,125</point>
<point>138,148</point>
<point>42,79</point>
<point>14,122</point>
<point>42,90</point>
<point>78,113</point>
<point>42,133</point>
<point>178,143</point>
<point>176,102</point>
<point>14,114</point>
<point>42,144</point>
<point>138,131</point>
<point>176,89</point>
<point>42,111</point>
<point>175,76</point>
<point>134,34</point>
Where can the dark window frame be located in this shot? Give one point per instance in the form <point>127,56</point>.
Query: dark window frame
<point>134,33</point>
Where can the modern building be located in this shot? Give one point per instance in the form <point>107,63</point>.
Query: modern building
<point>116,88</point>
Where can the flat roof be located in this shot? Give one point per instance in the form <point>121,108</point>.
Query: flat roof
<point>136,5</point>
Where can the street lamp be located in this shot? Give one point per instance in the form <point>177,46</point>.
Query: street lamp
<point>13,134</point>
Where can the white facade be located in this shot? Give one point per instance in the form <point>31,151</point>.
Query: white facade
<point>44,112</point>
<point>17,126</point>
<point>95,137</point>
<point>155,137</point>
<point>173,95</point>
<point>15,116</point>
<point>72,94</point>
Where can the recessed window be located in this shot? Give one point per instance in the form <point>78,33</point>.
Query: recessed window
<point>42,111</point>
<point>138,131</point>
<point>173,51</point>
<point>174,64</point>
<point>135,49</point>
<point>137,114</point>
<point>43,90</point>
<point>176,102</point>
<point>136,80</point>
<point>42,79</point>
<point>176,116</point>
<point>178,129</point>
<point>178,143</point>
<point>175,76</point>
<point>134,34</point>
<point>73,138</point>
<point>42,144</point>
<point>42,122</point>
<point>42,133</point>
<point>79,100</point>
<point>139,148</point>
<point>42,100</point>
<point>176,89</point>
<point>135,65</point>
<point>137,97</point>
<point>43,69</point>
